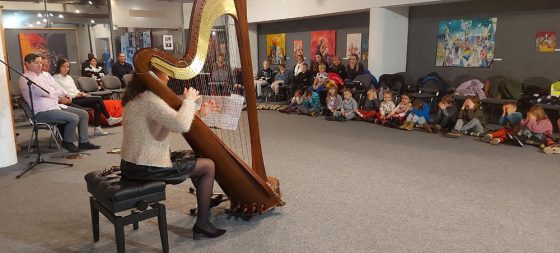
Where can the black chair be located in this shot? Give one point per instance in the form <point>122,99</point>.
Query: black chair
<point>113,84</point>
<point>111,194</point>
<point>53,127</point>
<point>90,86</point>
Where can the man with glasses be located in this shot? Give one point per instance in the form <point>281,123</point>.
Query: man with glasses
<point>53,106</point>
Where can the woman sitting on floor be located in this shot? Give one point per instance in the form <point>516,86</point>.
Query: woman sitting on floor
<point>66,82</point>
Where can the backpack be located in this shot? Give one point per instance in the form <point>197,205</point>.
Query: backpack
<point>435,79</point>
<point>472,87</point>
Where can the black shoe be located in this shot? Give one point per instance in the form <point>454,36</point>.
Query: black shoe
<point>198,231</point>
<point>70,147</point>
<point>88,146</point>
<point>517,141</point>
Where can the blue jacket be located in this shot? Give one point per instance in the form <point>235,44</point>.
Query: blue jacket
<point>313,102</point>
<point>513,119</point>
<point>424,112</point>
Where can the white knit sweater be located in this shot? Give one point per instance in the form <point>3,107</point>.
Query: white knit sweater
<point>147,121</point>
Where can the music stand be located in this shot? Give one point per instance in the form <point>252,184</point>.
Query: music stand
<point>39,159</point>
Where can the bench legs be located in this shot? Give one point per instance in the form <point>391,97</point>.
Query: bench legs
<point>119,222</point>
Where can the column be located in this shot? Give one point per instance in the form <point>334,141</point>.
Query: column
<point>388,40</point>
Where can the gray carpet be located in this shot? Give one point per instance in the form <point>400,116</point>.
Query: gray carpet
<point>349,187</point>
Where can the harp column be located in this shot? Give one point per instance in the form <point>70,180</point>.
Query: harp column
<point>388,40</point>
<point>7,140</point>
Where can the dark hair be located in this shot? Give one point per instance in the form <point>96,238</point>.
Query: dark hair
<point>475,100</point>
<point>133,89</point>
<point>90,56</point>
<point>512,103</point>
<point>304,64</point>
<point>448,99</point>
<point>418,104</point>
<point>346,90</point>
<point>31,57</point>
<point>282,65</point>
<point>59,64</point>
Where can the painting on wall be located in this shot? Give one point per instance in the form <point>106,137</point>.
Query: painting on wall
<point>546,42</point>
<point>276,48</point>
<point>51,45</point>
<point>365,51</point>
<point>354,45</point>
<point>466,43</point>
<point>298,48</point>
<point>324,42</point>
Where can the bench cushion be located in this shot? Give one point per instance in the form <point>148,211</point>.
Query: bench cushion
<point>118,194</point>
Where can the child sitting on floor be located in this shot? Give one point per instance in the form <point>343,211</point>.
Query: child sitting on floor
<point>310,105</point>
<point>510,121</point>
<point>348,108</point>
<point>294,104</point>
<point>471,119</point>
<point>386,107</point>
<point>535,129</point>
<point>419,115</point>
<point>397,116</point>
<point>369,110</point>
<point>446,115</point>
<point>333,101</point>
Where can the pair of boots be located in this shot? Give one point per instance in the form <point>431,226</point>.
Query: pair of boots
<point>335,118</point>
<point>407,125</point>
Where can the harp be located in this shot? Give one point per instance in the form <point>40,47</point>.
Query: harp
<point>241,175</point>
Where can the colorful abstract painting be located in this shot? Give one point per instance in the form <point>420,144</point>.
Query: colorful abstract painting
<point>276,48</point>
<point>466,43</point>
<point>354,44</point>
<point>546,42</point>
<point>324,42</point>
<point>50,45</point>
<point>298,48</point>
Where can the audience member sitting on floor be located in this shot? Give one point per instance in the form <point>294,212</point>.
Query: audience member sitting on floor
<point>316,62</point>
<point>536,129</point>
<point>510,121</point>
<point>121,67</point>
<point>280,79</point>
<point>148,121</point>
<point>295,102</point>
<point>386,107</point>
<point>310,105</point>
<point>349,106</point>
<point>303,80</point>
<point>53,106</point>
<point>419,116</point>
<point>470,120</point>
<point>66,82</point>
<point>338,68</point>
<point>446,116</point>
<point>264,78</point>
<point>354,68</point>
<point>93,70</point>
<point>333,101</point>
<point>396,116</point>
<point>321,79</point>
<point>369,110</point>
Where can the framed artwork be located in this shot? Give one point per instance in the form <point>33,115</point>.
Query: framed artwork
<point>276,48</point>
<point>324,42</point>
<point>354,44</point>
<point>52,46</point>
<point>545,42</point>
<point>466,43</point>
<point>167,42</point>
<point>298,48</point>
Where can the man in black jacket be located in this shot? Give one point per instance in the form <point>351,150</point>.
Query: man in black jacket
<point>121,67</point>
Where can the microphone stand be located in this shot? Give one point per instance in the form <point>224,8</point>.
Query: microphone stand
<point>39,159</point>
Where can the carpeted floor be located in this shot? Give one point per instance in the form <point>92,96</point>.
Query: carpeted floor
<point>349,187</point>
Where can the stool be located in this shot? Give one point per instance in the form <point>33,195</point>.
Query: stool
<point>111,194</point>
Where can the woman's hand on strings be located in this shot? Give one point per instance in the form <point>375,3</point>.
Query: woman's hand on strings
<point>209,106</point>
<point>191,93</point>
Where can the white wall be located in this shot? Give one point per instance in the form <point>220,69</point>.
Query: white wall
<point>7,142</point>
<point>151,14</point>
<point>187,10</point>
<point>271,10</point>
<point>388,40</point>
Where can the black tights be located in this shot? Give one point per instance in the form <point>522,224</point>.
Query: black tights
<point>96,103</point>
<point>202,177</point>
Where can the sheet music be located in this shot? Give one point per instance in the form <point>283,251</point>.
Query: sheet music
<point>229,114</point>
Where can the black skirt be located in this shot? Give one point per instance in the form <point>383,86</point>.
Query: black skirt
<point>176,174</point>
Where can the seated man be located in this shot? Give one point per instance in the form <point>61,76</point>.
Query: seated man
<point>121,68</point>
<point>53,106</point>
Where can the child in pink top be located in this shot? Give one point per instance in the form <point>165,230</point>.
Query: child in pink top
<point>535,129</point>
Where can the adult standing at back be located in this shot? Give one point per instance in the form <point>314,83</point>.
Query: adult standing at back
<point>299,64</point>
<point>121,67</point>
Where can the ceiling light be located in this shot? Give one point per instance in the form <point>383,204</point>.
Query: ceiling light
<point>77,11</point>
<point>30,25</point>
<point>92,21</point>
<point>50,14</point>
<point>60,16</point>
<point>39,15</point>
<point>90,3</point>
<point>45,20</point>
<point>38,22</point>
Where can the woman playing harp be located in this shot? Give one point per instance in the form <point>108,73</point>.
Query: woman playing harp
<point>147,122</point>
